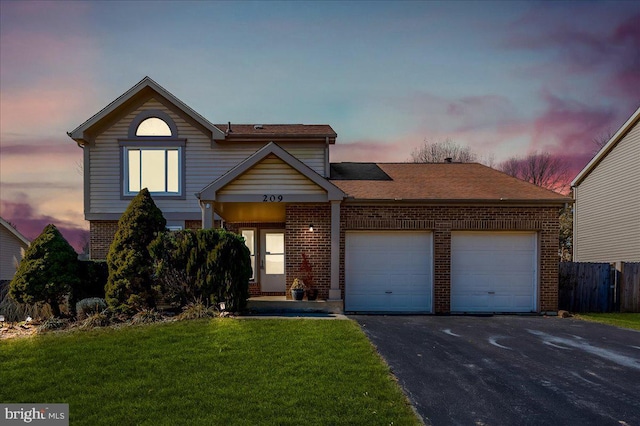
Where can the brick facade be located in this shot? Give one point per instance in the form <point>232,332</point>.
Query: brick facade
<point>442,220</point>
<point>316,245</point>
<point>101,233</point>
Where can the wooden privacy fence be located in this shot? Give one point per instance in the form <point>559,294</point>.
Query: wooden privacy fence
<point>599,287</point>
<point>630,287</point>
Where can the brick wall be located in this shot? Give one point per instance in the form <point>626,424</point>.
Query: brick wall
<point>442,220</point>
<point>193,224</point>
<point>316,245</point>
<point>101,233</point>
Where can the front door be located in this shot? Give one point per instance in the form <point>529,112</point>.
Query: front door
<point>272,261</point>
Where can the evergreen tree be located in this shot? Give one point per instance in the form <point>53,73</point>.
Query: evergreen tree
<point>130,284</point>
<point>47,272</point>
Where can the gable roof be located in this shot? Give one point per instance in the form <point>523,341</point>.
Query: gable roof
<point>446,182</point>
<point>78,134</point>
<point>209,192</point>
<point>14,231</point>
<point>607,148</point>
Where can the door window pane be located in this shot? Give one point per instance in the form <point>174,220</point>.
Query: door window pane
<point>275,243</point>
<point>274,264</point>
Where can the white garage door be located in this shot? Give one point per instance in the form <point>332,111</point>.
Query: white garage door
<point>388,271</point>
<point>493,271</point>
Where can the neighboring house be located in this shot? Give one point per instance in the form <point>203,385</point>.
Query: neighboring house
<point>382,237</point>
<point>12,247</point>
<point>606,217</point>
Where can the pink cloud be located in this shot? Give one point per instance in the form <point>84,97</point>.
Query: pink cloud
<point>31,223</point>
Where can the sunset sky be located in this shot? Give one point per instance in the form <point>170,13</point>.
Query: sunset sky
<point>505,78</point>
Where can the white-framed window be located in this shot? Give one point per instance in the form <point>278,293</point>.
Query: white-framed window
<point>174,228</point>
<point>250,241</point>
<point>156,168</point>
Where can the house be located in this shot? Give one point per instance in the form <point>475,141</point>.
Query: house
<point>12,247</point>
<point>606,217</point>
<point>421,238</point>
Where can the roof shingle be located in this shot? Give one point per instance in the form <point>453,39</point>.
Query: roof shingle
<point>275,130</point>
<point>446,182</point>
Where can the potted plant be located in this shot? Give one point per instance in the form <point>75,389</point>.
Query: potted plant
<point>306,272</point>
<point>297,289</point>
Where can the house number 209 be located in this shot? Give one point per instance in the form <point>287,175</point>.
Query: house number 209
<point>272,198</point>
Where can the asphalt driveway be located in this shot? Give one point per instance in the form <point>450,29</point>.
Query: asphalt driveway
<point>512,370</point>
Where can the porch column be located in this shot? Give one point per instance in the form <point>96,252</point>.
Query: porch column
<point>334,292</point>
<point>207,215</point>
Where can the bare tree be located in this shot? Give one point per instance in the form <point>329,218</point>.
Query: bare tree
<point>438,152</point>
<point>541,169</point>
<point>601,140</point>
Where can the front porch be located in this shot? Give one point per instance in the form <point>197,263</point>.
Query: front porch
<point>286,212</point>
<point>282,305</point>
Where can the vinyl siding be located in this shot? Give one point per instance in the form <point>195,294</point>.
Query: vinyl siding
<point>10,251</point>
<point>203,163</point>
<point>271,175</point>
<point>607,209</point>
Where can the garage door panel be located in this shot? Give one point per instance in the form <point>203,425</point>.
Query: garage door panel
<point>388,271</point>
<point>493,272</point>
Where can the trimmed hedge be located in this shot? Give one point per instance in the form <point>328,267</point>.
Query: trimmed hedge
<point>212,265</point>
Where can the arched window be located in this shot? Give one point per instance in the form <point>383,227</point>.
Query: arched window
<point>152,156</point>
<point>153,126</point>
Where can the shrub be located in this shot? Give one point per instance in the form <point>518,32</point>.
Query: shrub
<point>90,306</point>
<point>47,272</point>
<point>53,323</point>
<point>130,285</point>
<point>196,310</point>
<point>212,264</point>
<point>98,319</point>
<point>147,316</point>
<point>16,312</point>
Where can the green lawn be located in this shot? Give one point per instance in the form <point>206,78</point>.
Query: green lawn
<point>617,319</point>
<point>220,371</point>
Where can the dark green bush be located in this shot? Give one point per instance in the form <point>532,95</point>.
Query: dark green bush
<point>208,264</point>
<point>47,272</point>
<point>130,286</point>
